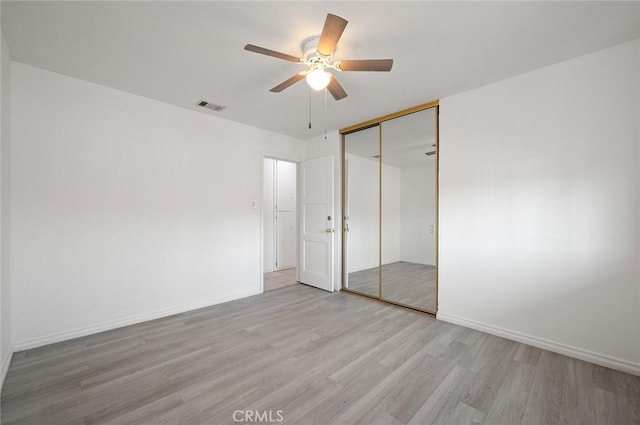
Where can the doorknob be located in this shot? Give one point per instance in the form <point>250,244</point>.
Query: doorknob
<point>328,230</point>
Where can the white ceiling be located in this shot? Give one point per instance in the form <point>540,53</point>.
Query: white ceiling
<point>182,52</point>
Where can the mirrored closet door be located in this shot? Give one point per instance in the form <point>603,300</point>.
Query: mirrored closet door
<point>362,211</point>
<point>408,210</point>
<point>390,208</point>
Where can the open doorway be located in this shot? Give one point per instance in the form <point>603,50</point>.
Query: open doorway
<point>280,225</point>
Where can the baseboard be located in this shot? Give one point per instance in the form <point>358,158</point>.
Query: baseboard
<point>416,261</point>
<point>567,350</point>
<point>6,362</point>
<point>361,268</point>
<point>28,344</point>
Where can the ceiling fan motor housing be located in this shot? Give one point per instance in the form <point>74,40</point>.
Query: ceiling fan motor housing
<point>309,48</point>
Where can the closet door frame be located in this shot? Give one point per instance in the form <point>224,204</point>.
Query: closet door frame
<point>378,122</point>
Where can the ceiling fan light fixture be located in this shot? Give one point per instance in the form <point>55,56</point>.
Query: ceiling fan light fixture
<point>317,57</point>
<point>318,79</point>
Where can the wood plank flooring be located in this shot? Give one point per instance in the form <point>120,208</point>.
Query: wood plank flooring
<point>318,358</point>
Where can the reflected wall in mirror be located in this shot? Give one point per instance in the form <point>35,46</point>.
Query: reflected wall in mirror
<point>408,271</point>
<point>361,172</point>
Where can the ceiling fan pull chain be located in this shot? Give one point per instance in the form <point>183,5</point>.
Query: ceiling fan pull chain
<point>309,91</point>
<point>325,113</point>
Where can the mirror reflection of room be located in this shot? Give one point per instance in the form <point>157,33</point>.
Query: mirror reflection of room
<point>362,207</point>
<point>390,210</point>
<point>408,157</point>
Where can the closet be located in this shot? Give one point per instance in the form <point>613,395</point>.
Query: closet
<point>390,220</point>
<point>279,214</point>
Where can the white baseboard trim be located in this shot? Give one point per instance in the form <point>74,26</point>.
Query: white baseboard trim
<point>28,344</point>
<point>416,260</point>
<point>361,268</point>
<point>556,347</point>
<point>6,362</point>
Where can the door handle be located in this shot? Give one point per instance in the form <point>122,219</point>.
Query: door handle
<point>328,230</point>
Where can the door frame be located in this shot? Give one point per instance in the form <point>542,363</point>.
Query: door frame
<point>296,161</point>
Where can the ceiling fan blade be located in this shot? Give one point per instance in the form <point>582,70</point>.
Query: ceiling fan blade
<point>366,65</point>
<point>269,52</point>
<point>291,81</point>
<point>336,89</point>
<point>331,32</point>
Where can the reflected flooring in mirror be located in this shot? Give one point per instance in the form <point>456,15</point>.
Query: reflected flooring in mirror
<point>403,282</point>
<point>365,281</point>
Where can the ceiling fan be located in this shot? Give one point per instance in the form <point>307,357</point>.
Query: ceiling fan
<point>318,57</point>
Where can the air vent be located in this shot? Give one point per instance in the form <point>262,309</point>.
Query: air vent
<point>212,106</point>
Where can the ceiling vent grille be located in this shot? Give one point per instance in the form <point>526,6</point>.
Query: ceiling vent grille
<point>211,106</point>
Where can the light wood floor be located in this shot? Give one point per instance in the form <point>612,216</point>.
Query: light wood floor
<point>279,279</point>
<point>320,358</point>
<point>404,282</point>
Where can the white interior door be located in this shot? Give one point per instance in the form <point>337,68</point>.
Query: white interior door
<point>317,223</point>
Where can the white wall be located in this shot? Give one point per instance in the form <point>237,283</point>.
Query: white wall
<point>539,207</point>
<point>364,208</point>
<point>364,212</point>
<point>126,208</point>
<point>417,214</point>
<point>391,214</point>
<point>6,349</point>
<point>408,209</point>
